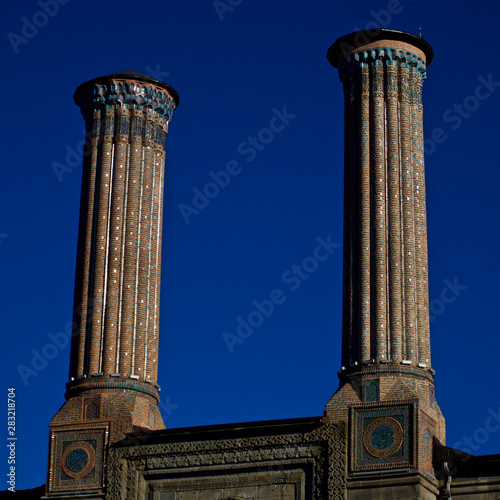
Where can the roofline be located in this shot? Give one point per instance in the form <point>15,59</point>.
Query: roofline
<point>261,425</point>
<point>358,39</point>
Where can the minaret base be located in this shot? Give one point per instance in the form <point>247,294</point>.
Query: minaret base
<point>84,427</point>
<point>393,419</point>
<point>112,389</point>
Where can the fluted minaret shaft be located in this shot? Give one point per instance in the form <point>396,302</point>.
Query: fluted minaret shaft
<point>386,383</point>
<point>385,306</point>
<point>112,389</point>
<point>116,304</point>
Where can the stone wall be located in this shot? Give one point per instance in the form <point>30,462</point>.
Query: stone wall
<point>296,458</point>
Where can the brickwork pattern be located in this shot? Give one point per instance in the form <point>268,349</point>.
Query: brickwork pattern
<point>122,412</point>
<point>386,360</point>
<point>365,203</point>
<point>385,330</point>
<point>116,309</point>
<point>395,385</point>
<point>114,349</point>
<point>76,458</point>
<point>385,226</point>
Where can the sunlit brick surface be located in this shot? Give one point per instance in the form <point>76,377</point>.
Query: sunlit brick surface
<point>116,314</point>
<point>114,350</point>
<point>385,247</point>
<point>385,327</point>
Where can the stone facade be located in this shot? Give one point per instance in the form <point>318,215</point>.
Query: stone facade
<point>288,459</point>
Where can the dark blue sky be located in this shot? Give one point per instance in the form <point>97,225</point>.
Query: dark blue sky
<point>236,68</point>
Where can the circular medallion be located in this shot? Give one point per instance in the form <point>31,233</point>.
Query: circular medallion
<point>383,437</point>
<point>78,459</point>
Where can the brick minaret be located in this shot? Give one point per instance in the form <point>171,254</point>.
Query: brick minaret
<point>112,388</point>
<point>386,391</point>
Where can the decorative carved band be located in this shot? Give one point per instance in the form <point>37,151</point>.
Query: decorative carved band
<point>134,94</point>
<point>113,384</point>
<point>321,452</point>
<point>390,55</point>
<point>386,370</point>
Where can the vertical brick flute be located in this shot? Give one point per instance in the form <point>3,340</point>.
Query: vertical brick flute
<point>386,358</point>
<point>385,263</point>
<point>114,349</point>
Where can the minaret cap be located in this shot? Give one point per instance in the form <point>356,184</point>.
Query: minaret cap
<point>128,74</point>
<point>358,39</point>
